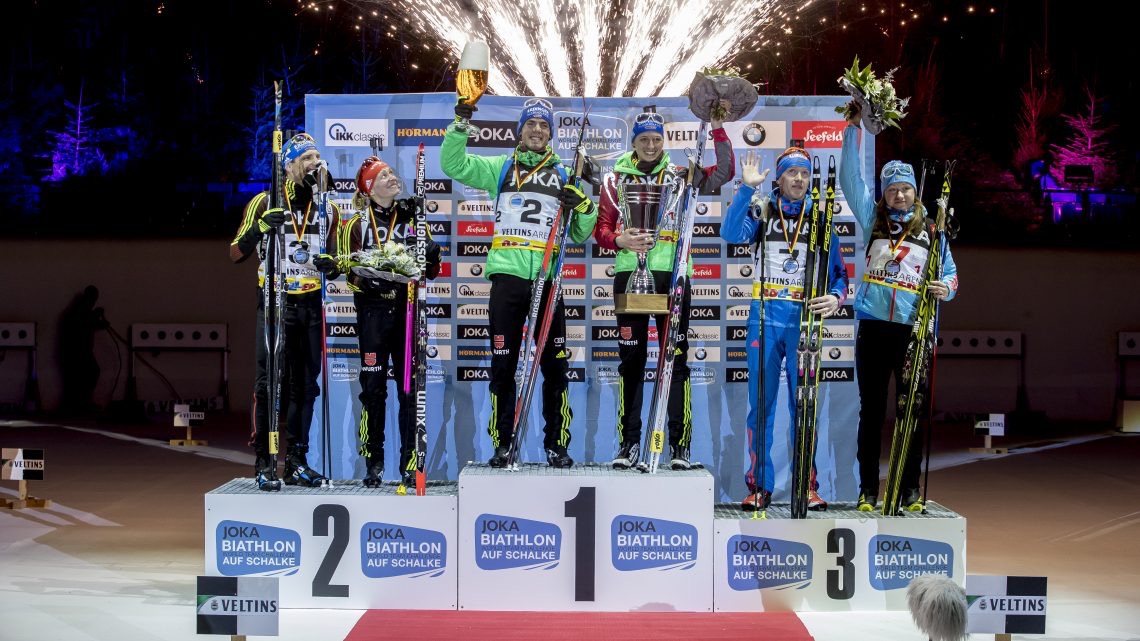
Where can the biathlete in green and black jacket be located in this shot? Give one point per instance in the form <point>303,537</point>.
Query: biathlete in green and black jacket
<point>528,186</point>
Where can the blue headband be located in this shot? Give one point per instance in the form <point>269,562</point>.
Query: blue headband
<point>896,171</point>
<point>296,146</point>
<point>792,158</point>
<point>647,122</point>
<point>537,109</point>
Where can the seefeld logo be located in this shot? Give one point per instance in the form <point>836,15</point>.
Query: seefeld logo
<point>355,132</point>
<point>819,133</point>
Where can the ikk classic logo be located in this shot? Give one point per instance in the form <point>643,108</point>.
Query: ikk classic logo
<point>355,132</point>
<point>645,543</point>
<point>509,542</point>
<point>255,549</point>
<point>894,560</point>
<point>388,550</point>
<point>758,563</point>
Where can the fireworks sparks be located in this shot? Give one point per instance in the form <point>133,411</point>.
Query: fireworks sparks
<point>597,47</point>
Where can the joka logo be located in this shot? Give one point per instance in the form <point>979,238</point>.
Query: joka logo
<point>342,329</point>
<point>493,133</point>
<point>476,229</point>
<point>573,270</point>
<point>819,133</point>
<point>439,227</point>
<point>602,252</point>
<point>473,373</point>
<point>737,333</point>
<point>706,230</point>
<point>575,312</point>
<point>437,185</point>
<point>439,310</point>
<point>474,249</point>
<point>737,374</point>
<point>706,270</point>
<point>444,248</point>
<point>474,332</point>
<point>843,313</point>
<point>413,132</point>
<point>355,132</point>
<point>576,374</point>
<point>705,251</point>
<point>739,250</point>
<point>346,185</point>
<point>838,374</point>
<point>604,333</point>
<point>704,312</point>
<point>845,229</point>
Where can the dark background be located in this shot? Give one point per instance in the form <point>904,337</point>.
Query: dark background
<point>172,102</point>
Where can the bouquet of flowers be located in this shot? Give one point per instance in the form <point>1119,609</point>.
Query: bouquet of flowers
<point>879,106</point>
<point>390,261</point>
<point>711,85</point>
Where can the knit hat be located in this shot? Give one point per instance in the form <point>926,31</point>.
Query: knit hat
<point>366,175</point>
<point>536,108</point>
<point>647,121</point>
<point>296,146</point>
<point>896,171</point>
<point>792,157</point>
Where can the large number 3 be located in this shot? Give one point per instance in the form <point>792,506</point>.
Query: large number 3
<point>841,582</point>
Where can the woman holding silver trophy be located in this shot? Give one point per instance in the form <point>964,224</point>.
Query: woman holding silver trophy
<point>634,220</point>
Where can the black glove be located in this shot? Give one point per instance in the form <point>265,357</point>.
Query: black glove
<point>271,219</point>
<point>465,111</point>
<point>573,198</point>
<point>326,265</point>
<point>681,172</point>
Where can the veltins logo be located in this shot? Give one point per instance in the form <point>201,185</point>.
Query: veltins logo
<point>253,549</point>
<point>355,132</point>
<point>895,560</point>
<point>819,133</point>
<point>758,563</point>
<point>644,543</point>
<point>506,542</point>
<point>387,550</point>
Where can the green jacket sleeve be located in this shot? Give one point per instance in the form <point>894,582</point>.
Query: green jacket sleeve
<point>582,225</point>
<point>480,172</point>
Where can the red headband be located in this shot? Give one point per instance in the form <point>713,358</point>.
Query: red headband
<point>367,173</point>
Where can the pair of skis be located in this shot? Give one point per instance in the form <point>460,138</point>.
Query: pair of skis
<point>917,370</point>
<point>816,276</point>
<point>659,409</point>
<point>273,303</point>
<point>532,355</point>
<point>415,327</point>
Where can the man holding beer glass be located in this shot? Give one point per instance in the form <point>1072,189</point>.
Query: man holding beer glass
<point>528,185</point>
<point>639,183</point>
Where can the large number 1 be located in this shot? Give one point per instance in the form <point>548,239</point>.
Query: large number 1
<point>339,543</point>
<point>841,582</point>
<point>581,509</point>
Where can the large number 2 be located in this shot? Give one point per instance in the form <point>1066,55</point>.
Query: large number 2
<point>581,509</point>
<point>841,583</point>
<point>339,543</point>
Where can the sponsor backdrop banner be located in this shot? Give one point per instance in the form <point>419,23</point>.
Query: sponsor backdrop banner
<point>461,220</point>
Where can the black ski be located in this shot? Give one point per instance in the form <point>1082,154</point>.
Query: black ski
<point>273,292</point>
<point>421,325</point>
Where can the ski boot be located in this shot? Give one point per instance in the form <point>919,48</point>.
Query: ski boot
<point>556,456</point>
<point>374,472</point>
<point>757,501</point>
<point>912,501</point>
<point>627,456</point>
<point>680,459</point>
<point>816,502</point>
<point>499,458</point>
<point>298,472</point>
<point>265,475</point>
<point>866,502</point>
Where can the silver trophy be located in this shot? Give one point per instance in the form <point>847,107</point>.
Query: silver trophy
<point>642,206</point>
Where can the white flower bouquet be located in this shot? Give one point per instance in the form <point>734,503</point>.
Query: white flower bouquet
<point>879,105</point>
<point>389,261</point>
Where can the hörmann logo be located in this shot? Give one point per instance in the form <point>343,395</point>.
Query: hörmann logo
<point>413,132</point>
<point>355,132</point>
<point>819,133</point>
<point>493,133</point>
<point>705,251</point>
<point>481,228</point>
<point>466,353</point>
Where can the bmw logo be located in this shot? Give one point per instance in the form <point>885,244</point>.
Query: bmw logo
<point>702,209</point>
<point>746,270</point>
<point>754,135</point>
<point>834,353</point>
<point>476,269</point>
<point>432,206</point>
<point>610,271</point>
<point>701,354</point>
<point>432,351</point>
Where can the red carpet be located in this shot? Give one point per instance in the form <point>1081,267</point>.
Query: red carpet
<point>577,626</point>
